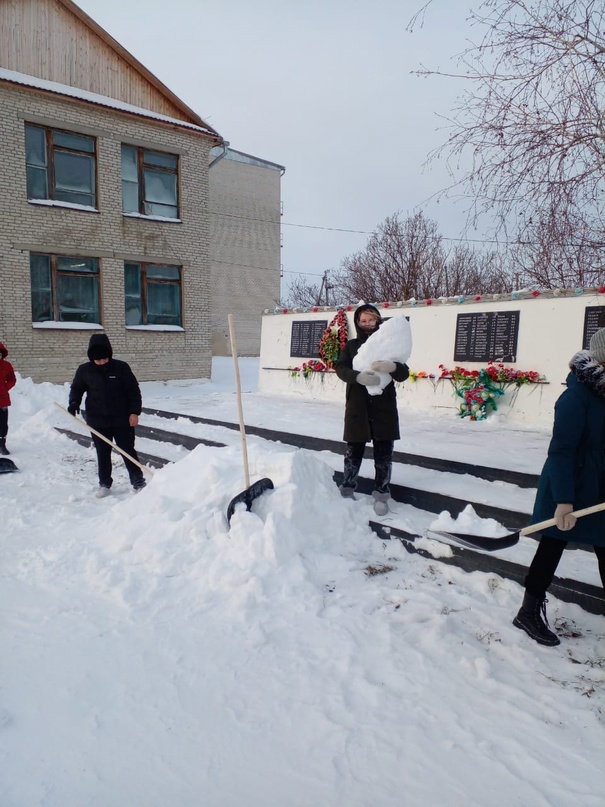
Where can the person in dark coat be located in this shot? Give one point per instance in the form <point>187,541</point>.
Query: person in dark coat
<point>573,478</point>
<point>369,417</point>
<point>7,382</point>
<point>113,406</point>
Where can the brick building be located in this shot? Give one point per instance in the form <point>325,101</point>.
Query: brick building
<point>245,245</point>
<point>105,219</point>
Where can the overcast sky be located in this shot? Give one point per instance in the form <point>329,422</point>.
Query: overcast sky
<point>322,87</point>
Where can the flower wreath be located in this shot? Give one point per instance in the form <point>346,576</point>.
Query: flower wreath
<point>334,339</point>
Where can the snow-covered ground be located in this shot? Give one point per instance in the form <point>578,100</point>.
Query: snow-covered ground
<point>151,655</point>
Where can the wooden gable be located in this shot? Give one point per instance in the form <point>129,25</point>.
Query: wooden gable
<point>57,41</point>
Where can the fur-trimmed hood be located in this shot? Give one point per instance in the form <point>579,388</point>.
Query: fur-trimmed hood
<point>588,371</point>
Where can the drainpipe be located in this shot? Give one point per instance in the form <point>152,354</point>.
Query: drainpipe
<point>225,144</point>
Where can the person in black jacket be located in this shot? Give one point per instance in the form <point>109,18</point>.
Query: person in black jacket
<point>573,478</point>
<point>113,406</point>
<point>369,417</point>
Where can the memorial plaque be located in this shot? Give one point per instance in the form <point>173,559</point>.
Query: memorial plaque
<point>305,338</point>
<point>486,337</point>
<point>594,318</point>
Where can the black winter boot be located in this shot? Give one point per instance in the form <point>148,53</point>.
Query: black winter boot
<point>3,449</point>
<point>530,620</point>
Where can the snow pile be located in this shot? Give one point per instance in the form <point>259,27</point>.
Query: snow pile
<point>391,342</point>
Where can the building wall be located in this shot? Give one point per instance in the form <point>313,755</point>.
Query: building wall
<point>44,38</point>
<point>245,250</point>
<point>551,330</point>
<point>52,353</point>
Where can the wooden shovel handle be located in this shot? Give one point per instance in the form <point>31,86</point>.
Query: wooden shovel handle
<point>102,437</point>
<point>238,389</point>
<point>551,522</point>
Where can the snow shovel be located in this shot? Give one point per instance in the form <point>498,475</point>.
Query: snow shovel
<point>7,466</point>
<point>102,437</point>
<point>251,492</point>
<point>483,542</point>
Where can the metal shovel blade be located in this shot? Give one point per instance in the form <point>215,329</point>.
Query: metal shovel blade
<point>249,495</point>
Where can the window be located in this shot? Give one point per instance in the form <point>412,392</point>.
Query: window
<point>64,289</point>
<point>60,166</point>
<point>149,182</point>
<point>152,294</point>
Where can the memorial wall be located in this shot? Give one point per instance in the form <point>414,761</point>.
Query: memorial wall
<point>529,333</point>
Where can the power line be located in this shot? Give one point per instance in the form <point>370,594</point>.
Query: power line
<point>458,239</point>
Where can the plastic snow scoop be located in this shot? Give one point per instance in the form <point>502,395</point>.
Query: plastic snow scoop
<point>251,492</point>
<point>102,437</point>
<point>7,466</point>
<point>484,542</point>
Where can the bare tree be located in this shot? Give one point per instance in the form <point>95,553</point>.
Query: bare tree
<point>302,293</point>
<point>558,253</point>
<point>405,259</point>
<point>402,259</point>
<point>531,126</point>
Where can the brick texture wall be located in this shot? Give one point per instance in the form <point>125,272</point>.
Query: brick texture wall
<point>52,354</point>
<point>245,227</point>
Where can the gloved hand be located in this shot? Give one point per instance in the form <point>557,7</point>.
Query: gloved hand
<point>73,409</point>
<point>384,366</point>
<point>565,521</point>
<point>368,379</point>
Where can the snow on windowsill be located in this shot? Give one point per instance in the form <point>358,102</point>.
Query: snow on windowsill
<point>151,218</point>
<point>53,325</point>
<point>177,328</point>
<point>70,205</point>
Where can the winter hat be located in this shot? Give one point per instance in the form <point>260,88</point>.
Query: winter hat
<point>99,347</point>
<point>597,346</point>
<point>370,309</point>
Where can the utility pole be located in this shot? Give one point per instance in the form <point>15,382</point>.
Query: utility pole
<point>324,285</point>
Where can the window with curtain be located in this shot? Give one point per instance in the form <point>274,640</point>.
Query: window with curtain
<point>149,182</point>
<point>60,166</point>
<point>64,289</point>
<point>152,294</point>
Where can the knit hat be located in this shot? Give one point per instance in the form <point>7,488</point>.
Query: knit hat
<point>597,346</point>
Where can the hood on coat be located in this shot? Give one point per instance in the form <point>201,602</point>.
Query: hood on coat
<point>361,334</point>
<point>99,347</point>
<point>588,371</point>
<point>3,351</point>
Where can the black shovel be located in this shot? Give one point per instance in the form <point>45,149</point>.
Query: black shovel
<point>491,544</point>
<point>251,492</point>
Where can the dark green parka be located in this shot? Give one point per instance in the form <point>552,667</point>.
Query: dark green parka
<point>574,471</point>
<point>367,417</point>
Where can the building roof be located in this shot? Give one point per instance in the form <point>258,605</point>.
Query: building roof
<point>189,114</point>
<point>14,77</point>
<point>242,157</point>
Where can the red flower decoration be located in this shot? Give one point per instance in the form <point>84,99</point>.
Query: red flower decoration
<point>285,310</point>
<point>477,297</point>
<point>386,305</point>
<point>334,339</point>
<point>535,293</point>
<point>601,289</point>
<point>314,308</point>
<point>429,302</point>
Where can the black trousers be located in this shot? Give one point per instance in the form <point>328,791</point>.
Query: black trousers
<point>3,422</point>
<point>124,439</point>
<point>383,464</point>
<point>545,562</point>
